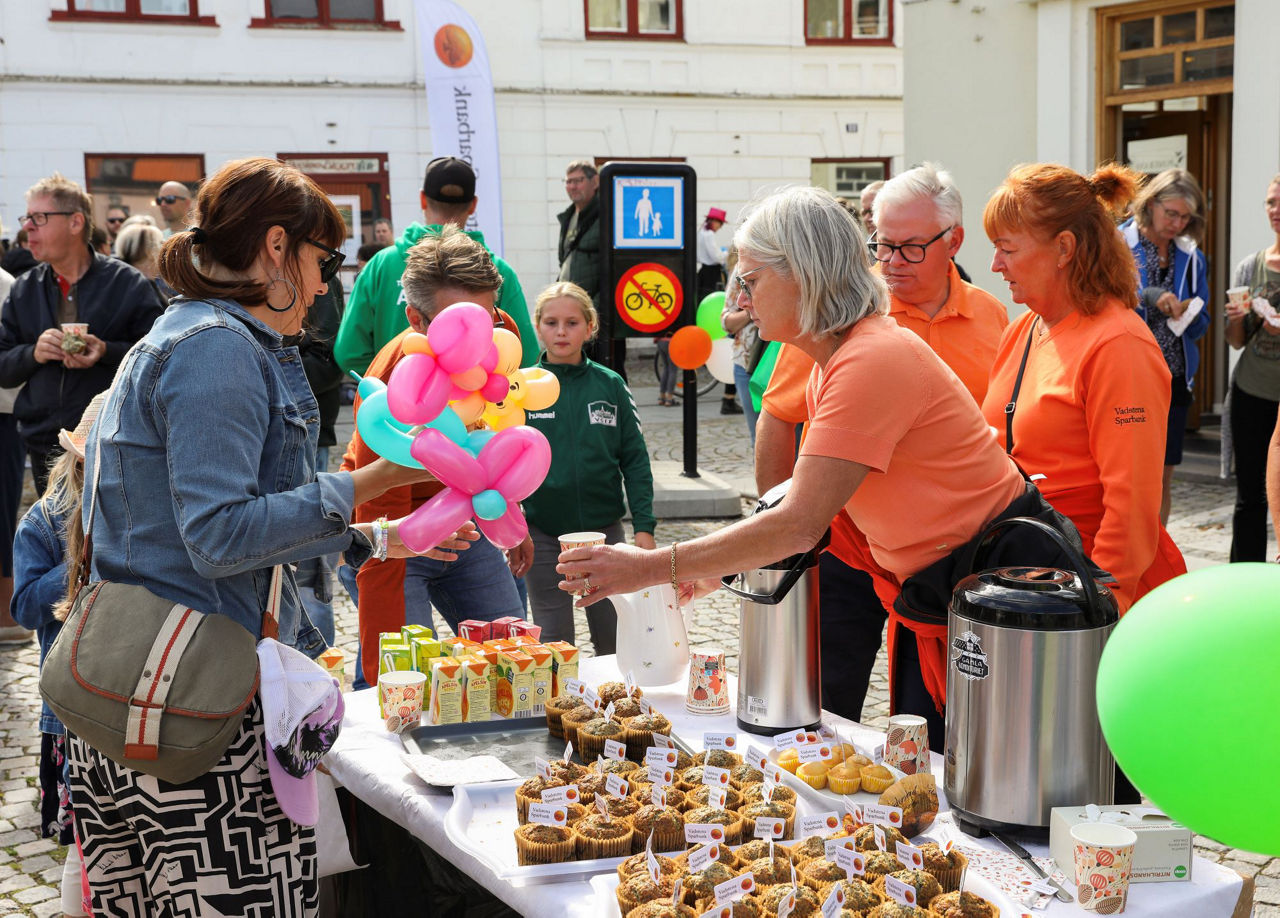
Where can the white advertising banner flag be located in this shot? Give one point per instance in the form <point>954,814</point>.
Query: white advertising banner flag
<point>455,64</point>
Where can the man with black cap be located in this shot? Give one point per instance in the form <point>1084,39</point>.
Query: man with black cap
<point>375,313</point>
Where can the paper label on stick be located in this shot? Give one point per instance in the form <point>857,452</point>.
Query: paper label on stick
<point>877,754</point>
<point>1045,887</point>
<point>787,905</point>
<point>854,810</point>
<point>575,687</point>
<point>717,795</point>
<point>852,862</point>
<point>677,892</point>
<point>833,846</point>
<point>602,804</point>
<point>736,888</point>
<point>630,682</point>
<point>568,753</point>
<point>833,903</point>
<point>724,741</point>
<point>703,833</point>
<point>718,911</point>
<point>614,750</point>
<point>590,697</point>
<point>567,794</point>
<point>757,758</point>
<point>826,732</point>
<point>909,855</point>
<point>882,841</point>
<point>548,814</point>
<point>542,767</point>
<point>657,755</point>
<point>716,777</point>
<point>659,775</point>
<point>821,824</point>
<point>646,707</point>
<point>607,713</point>
<point>658,794</point>
<point>788,740</point>
<point>883,815</point>
<point>902,893</point>
<point>770,827</point>
<point>703,856</point>
<point>617,786</point>
<point>816,753</point>
<point>766,791</point>
<point>665,741</point>
<point>650,861</point>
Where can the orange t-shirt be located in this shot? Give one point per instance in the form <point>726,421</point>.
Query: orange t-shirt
<point>1091,419</point>
<point>965,332</point>
<point>887,401</point>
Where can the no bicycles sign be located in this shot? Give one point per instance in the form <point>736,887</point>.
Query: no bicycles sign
<point>649,297</point>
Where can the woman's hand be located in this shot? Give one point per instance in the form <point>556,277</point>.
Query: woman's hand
<point>1239,310</point>
<point>445,551</point>
<point>691,590</point>
<point>595,572</point>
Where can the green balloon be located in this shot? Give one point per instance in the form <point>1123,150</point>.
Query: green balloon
<point>1188,695</point>
<point>709,314</point>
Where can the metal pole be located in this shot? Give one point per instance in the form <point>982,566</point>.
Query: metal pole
<point>690,424</point>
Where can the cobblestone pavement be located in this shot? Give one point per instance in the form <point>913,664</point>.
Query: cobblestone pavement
<point>31,866</point>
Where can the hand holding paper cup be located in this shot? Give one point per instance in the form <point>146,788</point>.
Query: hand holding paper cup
<point>73,337</point>
<point>1238,301</point>
<point>1104,861</point>
<point>579,540</point>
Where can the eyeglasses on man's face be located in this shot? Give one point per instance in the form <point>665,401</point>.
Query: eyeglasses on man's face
<point>170,199</point>
<point>912,252</point>
<point>330,266</point>
<point>41,217</point>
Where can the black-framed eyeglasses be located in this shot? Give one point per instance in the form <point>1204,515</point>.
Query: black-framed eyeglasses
<point>115,219</point>
<point>330,266</point>
<point>41,217</point>
<point>912,252</point>
<point>170,199</point>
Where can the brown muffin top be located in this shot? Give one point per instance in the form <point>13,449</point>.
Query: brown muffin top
<point>579,715</point>
<point>536,785</point>
<point>654,723</point>
<point>807,901</point>
<point>622,767</point>
<point>864,838</point>
<point>600,727</point>
<point>755,791</point>
<point>622,806</point>
<point>626,707</point>
<point>655,818</point>
<point>896,910</point>
<point>879,863</point>
<point>700,795</point>
<point>859,895</point>
<point>961,905</point>
<point>775,809</point>
<point>544,835</point>
<point>594,827</point>
<point>719,758</point>
<point>612,691</point>
<point>639,887</point>
<point>746,774</point>
<point>638,863</point>
<point>926,884</point>
<point>567,702</point>
<point>821,869</point>
<point>703,883</point>
<point>709,814</point>
<point>936,859</point>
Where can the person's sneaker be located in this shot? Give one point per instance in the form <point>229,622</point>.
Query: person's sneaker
<point>15,634</point>
<point>729,406</point>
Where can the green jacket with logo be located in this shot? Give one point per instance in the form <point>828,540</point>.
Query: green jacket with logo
<point>597,449</point>
<point>375,312</point>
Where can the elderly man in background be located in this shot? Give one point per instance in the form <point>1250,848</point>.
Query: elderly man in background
<point>866,202</point>
<point>174,200</point>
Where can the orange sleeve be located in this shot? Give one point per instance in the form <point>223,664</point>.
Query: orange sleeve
<point>1125,397</point>
<point>784,397</point>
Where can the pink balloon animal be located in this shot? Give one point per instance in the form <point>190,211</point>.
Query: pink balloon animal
<point>508,468</point>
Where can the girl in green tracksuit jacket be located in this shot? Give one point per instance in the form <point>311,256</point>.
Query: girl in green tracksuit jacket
<point>597,449</point>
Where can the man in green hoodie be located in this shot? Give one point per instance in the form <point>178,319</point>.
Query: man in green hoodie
<point>375,313</point>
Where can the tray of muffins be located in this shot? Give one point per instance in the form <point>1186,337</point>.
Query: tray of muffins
<point>841,772</point>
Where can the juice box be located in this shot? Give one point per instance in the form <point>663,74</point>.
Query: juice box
<point>424,651</point>
<point>523,640</point>
<point>502,626</point>
<point>500,644</point>
<point>415,631</point>
<point>446,691</point>
<point>515,690</point>
<point>390,637</point>
<point>334,662</point>
<point>491,656</point>
<point>525,629</point>
<point>457,647</point>
<point>564,665</point>
<point>541,677</point>
<point>475,630</point>
<point>394,655</point>
<point>477,675</point>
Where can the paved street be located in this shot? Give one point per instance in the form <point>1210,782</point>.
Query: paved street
<point>30,867</point>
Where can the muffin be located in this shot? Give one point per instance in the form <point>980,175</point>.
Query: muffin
<point>660,908</point>
<point>683,760</point>
<point>878,863</point>
<point>727,857</point>
<point>591,784</point>
<point>876,779</point>
<point>690,778</point>
<point>858,759</point>
<point>593,733</point>
<point>745,774</point>
<point>755,848</point>
<point>638,732</point>
<point>594,836</point>
<point>700,795</point>
<point>753,811</point>
<point>568,772</point>
<point>643,791</point>
<point>926,885</point>
<point>814,774</point>
<point>807,902</point>
<point>720,758</point>
<point>891,909</point>
<point>625,808</point>
<point>538,844</point>
<point>770,870</point>
<point>754,793</point>
<point>531,792</point>
<point>812,846</point>
<point>844,778</point>
<point>626,707</point>
<point>859,895</point>
<point>640,888</point>
<point>574,718</point>
<point>615,691</point>
<point>639,863</point>
<point>956,904</point>
<point>818,872</point>
<point>623,767</point>
<point>948,867</point>
<point>558,707</point>
<point>732,822</point>
<point>664,822</point>
<point>864,838</point>
<point>744,907</point>
<point>703,883</point>
<point>789,760</point>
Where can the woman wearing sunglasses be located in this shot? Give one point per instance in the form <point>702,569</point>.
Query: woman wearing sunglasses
<point>204,456</point>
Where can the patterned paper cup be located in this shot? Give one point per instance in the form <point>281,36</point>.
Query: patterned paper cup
<point>1104,861</point>
<point>1236,295</point>
<point>400,697</point>
<point>906,745</point>
<point>708,690</point>
<point>579,540</point>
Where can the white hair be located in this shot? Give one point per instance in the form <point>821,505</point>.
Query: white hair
<point>924,181</point>
<point>805,234</point>
<point>137,243</point>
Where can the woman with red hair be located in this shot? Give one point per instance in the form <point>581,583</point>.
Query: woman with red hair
<point>1086,381</point>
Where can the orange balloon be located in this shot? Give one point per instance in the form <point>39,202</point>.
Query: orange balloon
<point>416,343</point>
<point>690,347</point>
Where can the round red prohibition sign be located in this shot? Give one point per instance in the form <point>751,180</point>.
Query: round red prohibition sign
<point>649,297</point>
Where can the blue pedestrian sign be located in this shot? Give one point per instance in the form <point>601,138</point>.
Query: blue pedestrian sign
<point>648,212</point>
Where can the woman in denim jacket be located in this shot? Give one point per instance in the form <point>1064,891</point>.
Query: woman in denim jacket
<point>205,455</point>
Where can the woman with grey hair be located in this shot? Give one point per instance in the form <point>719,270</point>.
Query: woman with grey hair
<point>1164,233</point>
<point>894,439</point>
<point>139,245</point>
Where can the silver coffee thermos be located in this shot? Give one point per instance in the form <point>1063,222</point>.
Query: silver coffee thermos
<point>779,665</point>
<point>1022,722</point>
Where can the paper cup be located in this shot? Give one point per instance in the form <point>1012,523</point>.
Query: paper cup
<point>400,697</point>
<point>74,332</point>
<point>1104,861</point>
<point>1240,296</point>
<point>578,540</point>
<point>906,745</point>
<point>708,689</point>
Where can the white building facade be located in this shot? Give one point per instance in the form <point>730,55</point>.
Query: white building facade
<point>122,95</point>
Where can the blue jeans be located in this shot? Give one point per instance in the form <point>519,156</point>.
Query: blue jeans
<point>742,379</point>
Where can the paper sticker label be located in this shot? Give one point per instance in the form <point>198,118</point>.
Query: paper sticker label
<point>715,776</point>
<point>833,903</point>
<point>832,847</point>
<point>617,786</point>
<point>736,888</point>
<point>660,775</point>
<point>902,893</point>
<point>853,862</point>
<point>820,752</point>
<point>703,856</point>
<point>717,795</point>
<point>770,827</point>
<point>704,833</point>
<point>757,758</point>
<point>568,794</point>
<point>677,892</point>
<point>658,794</point>
<point>542,766</point>
<point>664,741</point>
<point>787,740</point>
<point>821,824</point>
<point>590,697</point>
<point>645,706</point>
<point>725,741</point>
<point>757,705</point>
<point>1045,887</point>
<point>968,658</point>
<point>548,814</point>
<point>948,845</point>
<point>877,754</point>
<point>883,815</point>
<point>657,755</point>
<point>854,810</point>
<point>614,750</point>
<point>909,856</point>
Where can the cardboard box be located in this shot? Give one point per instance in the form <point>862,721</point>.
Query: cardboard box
<point>525,629</point>
<point>334,662</point>
<point>408,632</point>
<point>1162,854</point>
<point>501,644</point>
<point>390,637</point>
<point>564,665</point>
<point>458,647</point>
<point>475,630</point>
<point>515,690</point>
<point>424,650</point>
<point>394,655</point>
<point>541,655</point>
<point>491,655</point>
<point>477,676</point>
<point>446,691</point>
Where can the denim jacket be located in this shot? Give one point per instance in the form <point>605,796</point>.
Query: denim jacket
<point>208,444</point>
<point>39,583</point>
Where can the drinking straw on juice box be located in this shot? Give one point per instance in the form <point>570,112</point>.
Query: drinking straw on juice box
<point>394,656</point>
<point>524,629</point>
<point>476,676</point>
<point>475,630</point>
<point>424,651</point>
<point>415,631</point>
<point>446,691</point>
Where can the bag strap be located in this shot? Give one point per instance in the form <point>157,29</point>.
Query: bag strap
<point>1017,387</point>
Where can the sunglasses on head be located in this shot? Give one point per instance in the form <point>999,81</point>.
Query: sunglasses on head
<point>330,266</point>
<point>169,199</point>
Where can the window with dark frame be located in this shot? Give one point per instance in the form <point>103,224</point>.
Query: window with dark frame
<point>325,14</point>
<point>831,22</point>
<point>172,12</point>
<point>635,20</point>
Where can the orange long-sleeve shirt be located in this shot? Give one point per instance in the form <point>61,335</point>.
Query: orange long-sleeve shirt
<point>1091,418</point>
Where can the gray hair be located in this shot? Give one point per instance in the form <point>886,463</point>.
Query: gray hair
<point>924,181</point>
<point>804,234</point>
<point>137,243</point>
<point>138,220</point>
<point>1169,185</point>
<point>585,166</point>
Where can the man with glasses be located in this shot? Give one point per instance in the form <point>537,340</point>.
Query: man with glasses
<point>375,313</point>
<point>116,215</point>
<point>174,201</point>
<point>71,284</point>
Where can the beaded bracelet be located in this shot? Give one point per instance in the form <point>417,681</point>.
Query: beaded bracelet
<point>380,528</point>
